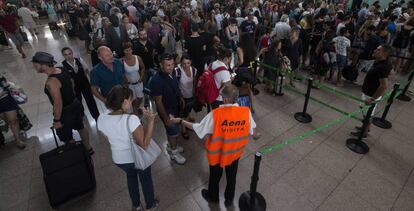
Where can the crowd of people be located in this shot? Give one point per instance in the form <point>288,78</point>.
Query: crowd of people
<point>163,49</point>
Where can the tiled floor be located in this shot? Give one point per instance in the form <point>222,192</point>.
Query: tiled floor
<point>318,173</point>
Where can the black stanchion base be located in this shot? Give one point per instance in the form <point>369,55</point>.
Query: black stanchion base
<point>404,98</point>
<point>245,204</point>
<point>385,124</point>
<point>279,94</point>
<point>303,117</point>
<point>357,146</point>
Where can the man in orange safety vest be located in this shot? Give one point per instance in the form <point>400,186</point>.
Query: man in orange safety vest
<point>226,130</point>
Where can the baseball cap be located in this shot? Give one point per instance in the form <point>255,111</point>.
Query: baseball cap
<point>43,58</point>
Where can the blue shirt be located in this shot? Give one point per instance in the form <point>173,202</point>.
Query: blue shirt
<point>166,86</point>
<point>105,79</point>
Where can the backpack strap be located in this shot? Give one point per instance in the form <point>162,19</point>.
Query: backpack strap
<point>218,69</point>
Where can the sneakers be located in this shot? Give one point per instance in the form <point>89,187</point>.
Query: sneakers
<point>180,149</point>
<point>176,156</point>
<point>155,205</point>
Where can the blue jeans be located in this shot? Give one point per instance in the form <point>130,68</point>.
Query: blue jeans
<point>133,187</point>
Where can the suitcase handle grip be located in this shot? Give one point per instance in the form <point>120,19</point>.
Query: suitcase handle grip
<point>54,136</point>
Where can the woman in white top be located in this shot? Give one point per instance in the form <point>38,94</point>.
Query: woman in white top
<point>134,73</point>
<point>131,29</point>
<point>186,75</point>
<point>117,127</point>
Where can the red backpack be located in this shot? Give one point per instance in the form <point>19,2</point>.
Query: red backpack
<point>206,89</point>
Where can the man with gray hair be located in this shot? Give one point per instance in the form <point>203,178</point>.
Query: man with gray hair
<point>107,74</point>
<point>282,29</point>
<point>226,130</point>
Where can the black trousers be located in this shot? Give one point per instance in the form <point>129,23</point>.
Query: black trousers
<point>214,180</point>
<point>84,88</point>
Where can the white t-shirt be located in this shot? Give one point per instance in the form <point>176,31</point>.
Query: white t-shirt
<point>341,45</point>
<point>206,126</point>
<point>115,128</point>
<point>26,14</point>
<point>221,77</point>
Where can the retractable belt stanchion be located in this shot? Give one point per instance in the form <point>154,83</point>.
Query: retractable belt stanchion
<point>356,144</point>
<point>303,116</point>
<point>382,122</point>
<point>280,86</point>
<point>252,200</point>
<point>254,66</point>
<point>403,96</point>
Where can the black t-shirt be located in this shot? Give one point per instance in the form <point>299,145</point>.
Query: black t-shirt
<point>380,70</point>
<point>208,41</point>
<point>145,52</point>
<point>195,46</point>
<point>372,43</point>
<point>248,26</point>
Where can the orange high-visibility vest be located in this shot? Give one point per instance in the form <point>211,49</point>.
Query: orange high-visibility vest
<point>230,135</point>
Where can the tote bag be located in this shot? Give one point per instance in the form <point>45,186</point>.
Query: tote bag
<point>143,158</point>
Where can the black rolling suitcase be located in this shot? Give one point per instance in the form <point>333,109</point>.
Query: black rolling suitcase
<point>53,26</point>
<point>67,171</point>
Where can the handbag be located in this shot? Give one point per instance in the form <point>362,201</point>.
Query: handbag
<point>143,158</point>
<point>24,122</point>
<point>17,93</point>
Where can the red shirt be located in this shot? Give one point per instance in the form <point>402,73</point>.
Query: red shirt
<point>8,22</point>
<point>264,42</point>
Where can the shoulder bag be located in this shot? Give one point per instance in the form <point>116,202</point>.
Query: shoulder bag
<point>143,158</point>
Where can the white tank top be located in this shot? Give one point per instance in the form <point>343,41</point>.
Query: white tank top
<point>132,72</point>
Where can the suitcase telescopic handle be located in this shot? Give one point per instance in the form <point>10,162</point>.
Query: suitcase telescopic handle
<point>54,136</point>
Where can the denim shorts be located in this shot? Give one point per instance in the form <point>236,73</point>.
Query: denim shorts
<point>173,130</point>
<point>341,61</point>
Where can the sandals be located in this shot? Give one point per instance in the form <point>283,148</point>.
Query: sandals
<point>91,151</point>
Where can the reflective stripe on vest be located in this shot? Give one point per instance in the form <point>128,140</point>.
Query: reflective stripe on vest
<point>230,135</point>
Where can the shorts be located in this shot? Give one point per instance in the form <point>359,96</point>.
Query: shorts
<point>71,119</point>
<point>341,61</point>
<point>7,104</point>
<point>16,38</point>
<point>244,101</point>
<point>365,64</point>
<point>173,130</point>
<point>365,97</point>
<point>189,104</point>
<point>30,25</point>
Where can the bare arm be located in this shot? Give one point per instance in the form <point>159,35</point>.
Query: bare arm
<point>161,110</point>
<point>240,58</point>
<point>142,136</point>
<point>381,89</point>
<point>53,86</point>
<point>96,93</point>
<point>142,69</point>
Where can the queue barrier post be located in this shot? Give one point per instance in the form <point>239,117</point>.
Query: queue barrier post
<point>252,200</point>
<point>254,66</point>
<point>304,117</point>
<point>356,144</point>
<point>382,122</point>
<point>403,96</point>
<point>279,88</point>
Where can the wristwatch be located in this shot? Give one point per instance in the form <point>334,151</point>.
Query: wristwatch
<point>56,120</point>
<point>181,121</point>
